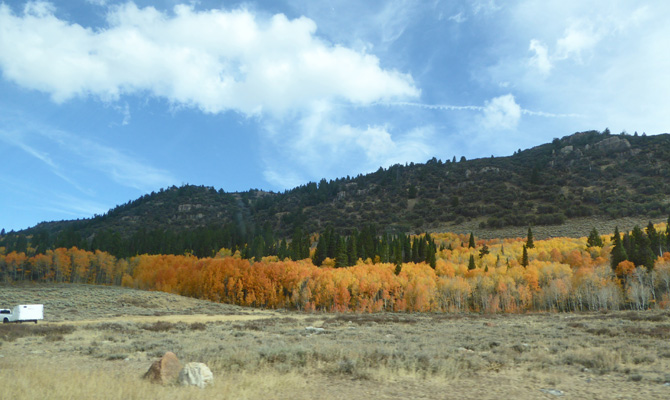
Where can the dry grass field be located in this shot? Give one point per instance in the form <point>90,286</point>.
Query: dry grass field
<point>97,342</point>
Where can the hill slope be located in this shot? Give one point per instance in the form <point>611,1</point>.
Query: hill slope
<point>588,174</point>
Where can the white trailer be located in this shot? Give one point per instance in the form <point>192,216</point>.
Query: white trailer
<point>23,313</point>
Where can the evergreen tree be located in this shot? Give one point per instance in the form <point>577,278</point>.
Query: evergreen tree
<point>41,241</point>
<point>21,245</point>
<point>299,248</point>
<point>406,249</point>
<point>258,248</point>
<point>483,251</point>
<point>412,192</point>
<point>385,249</point>
<point>431,258</point>
<point>305,246</point>
<point>654,239</point>
<point>320,252</point>
<point>397,253</point>
<point>422,249</point>
<point>594,239</point>
<point>641,253</point>
<point>471,263</point>
<point>524,256</point>
<point>471,242</point>
<point>351,250</point>
<point>367,241</point>
<point>245,252</point>
<point>283,251</point>
<point>535,178</point>
<point>333,240</point>
<point>341,258</point>
<point>618,253</point>
<point>415,250</point>
<point>529,240</point>
<point>398,268</point>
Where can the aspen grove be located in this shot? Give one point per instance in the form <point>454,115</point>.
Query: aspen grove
<point>562,274</point>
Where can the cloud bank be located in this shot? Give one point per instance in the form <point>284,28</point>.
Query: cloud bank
<point>214,60</point>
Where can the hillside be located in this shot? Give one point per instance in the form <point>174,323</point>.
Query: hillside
<point>585,175</point>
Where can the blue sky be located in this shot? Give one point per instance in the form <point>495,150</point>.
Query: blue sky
<point>102,101</point>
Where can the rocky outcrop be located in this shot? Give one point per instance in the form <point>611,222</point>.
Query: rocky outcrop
<point>164,370</point>
<point>196,374</point>
<point>567,150</point>
<point>612,144</point>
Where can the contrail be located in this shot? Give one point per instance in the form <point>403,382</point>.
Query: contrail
<point>449,107</point>
<point>549,115</point>
<point>446,107</point>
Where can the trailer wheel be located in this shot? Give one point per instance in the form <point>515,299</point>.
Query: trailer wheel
<point>4,321</point>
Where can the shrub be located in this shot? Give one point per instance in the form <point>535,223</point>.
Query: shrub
<point>160,326</point>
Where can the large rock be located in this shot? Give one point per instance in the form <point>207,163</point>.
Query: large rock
<point>196,374</point>
<point>612,144</point>
<point>164,370</point>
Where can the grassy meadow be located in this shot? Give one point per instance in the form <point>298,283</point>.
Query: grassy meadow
<point>96,342</point>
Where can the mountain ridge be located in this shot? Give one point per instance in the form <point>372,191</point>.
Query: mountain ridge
<point>584,175</point>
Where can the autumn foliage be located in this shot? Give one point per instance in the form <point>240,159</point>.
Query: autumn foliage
<point>563,274</point>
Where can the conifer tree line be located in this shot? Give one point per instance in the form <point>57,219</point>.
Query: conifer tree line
<point>641,248</point>
<point>367,244</point>
<point>344,250</point>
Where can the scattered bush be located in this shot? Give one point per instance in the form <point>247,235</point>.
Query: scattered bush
<point>160,326</point>
<point>198,326</point>
<point>598,359</point>
<point>11,332</point>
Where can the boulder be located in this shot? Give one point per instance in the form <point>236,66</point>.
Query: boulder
<point>612,144</point>
<point>313,330</point>
<point>164,370</point>
<point>196,374</point>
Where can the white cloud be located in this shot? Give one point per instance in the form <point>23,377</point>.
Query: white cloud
<point>501,113</point>
<point>594,66</point>
<point>580,37</point>
<point>540,60</point>
<point>485,7</point>
<point>283,178</point>
<point>324,146</point>
<point>55,149</point>
<point>124,169</point>
<point>214,60</point>
<point>75,206</point>
<point>39,8</point>
<point>458,18</point>
<point>19,140</point>
<point>126,115</point>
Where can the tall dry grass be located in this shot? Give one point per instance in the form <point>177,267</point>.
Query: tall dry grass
<point>34,379</point>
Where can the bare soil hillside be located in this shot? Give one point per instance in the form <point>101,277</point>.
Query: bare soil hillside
<point>97,342</point>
